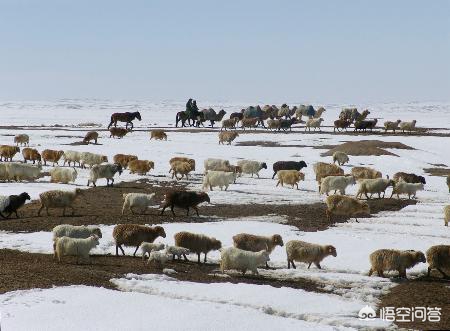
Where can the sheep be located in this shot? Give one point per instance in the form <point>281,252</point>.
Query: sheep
<point>218,178</point>
<point>249,123</point>
<point>135,235</point>
<point>22,139</point>
<point>409,178</point>
<point>408,126</point>
<point>448,183</point>
<point>446,215</point>
<point>373,186</point>
<point>313,123</point>
<point>291,177</point>
<point>177,251</point>
<point>185,200</point>
<point>157,257</point>
<point>180,167</point>
<point>391,259</point>
<point>305,252</point>
<point>51,155</point>
<point>438,257</point>
<point>287,124</point>
<point>254,243</point>
<point>124,159</point>
<point>10,204</point>
<point>75,246</point>
<point>72,156</point>
<point>227,137</point>
<point>273,124</point>
<point>75,231</point>
<point>19,171</point>
<point>140,201</point>
<point>118,132</point>
<point>388,125</point>
<point>196,243</point>
<point>158,135</point>
<point>91,135</point>
<point>216,164</point>
<point>235,258</point>
<point>8,152</point>
<point>323,170</point>
<point>251,167</point>
<point>287,165</point>
<point>229,123</point>
<point>61,175</point>
<point>31,154</point>
<point>336,183</point>
<point>410,189</point>
<point>141,167</point>
<point>184,159</point>
<point>341,124</point>
<point>345,206</point>
<point>340,157</point>
<point>147,248</point>
<point>104,171</point>
<point>58,199</point>
<point>365,173</point>
<point>91,159</point>
<point>364,125</point>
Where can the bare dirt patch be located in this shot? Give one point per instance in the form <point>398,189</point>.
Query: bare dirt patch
<point>437,171</point>
<point>367,147</point>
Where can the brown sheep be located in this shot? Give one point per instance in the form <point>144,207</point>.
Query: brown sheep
<point>22,139</point>
<point>291,177</point>
<point>158,135</point>
<point>124,159</point>
<point>185,200</point>
<point>51,155</point>
<point>184,159</point>
<point>91,135</point>
<point>391,259</point>
<point>196,243</point>
<point>118,132</point>
<point>249,123</point>
<point>365,173</point>
<point>141,167</point>
<point>254,243</point>
<point>8,152</point>
<point>345,206</point>
<point>409,178</point>
<point>135,235</point>
<point>341,124</point>
<point>58,199</point>
<point>227,137</point>
<point>322,170</point>
<point>180,167</point>
<point>438,257</point>
<point>31,154</point>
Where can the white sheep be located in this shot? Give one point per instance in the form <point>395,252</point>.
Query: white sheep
<point>235,258</point>
<point>218,178</point>
<point>91,159</point>
<point>336,183</point>
<point>137,200</point>
<point>75,231</point>
<point>20,171</point>
<point>216,164</point>
<point>313,123</point>
<point>302,251</point>
<point>72,156</point>
<point>177,251</point>
<point>63,175</point>
<point>408,126</point>
<point>251,167</point>
<point>373,186</point>
<point>159,258</point>
<point>402,187</point>
<point>104,171</point>
<point>340,157</point>
<point>147,248</point>
<point>75,246</point>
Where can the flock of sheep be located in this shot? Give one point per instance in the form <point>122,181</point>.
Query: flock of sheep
<point>249,251</point>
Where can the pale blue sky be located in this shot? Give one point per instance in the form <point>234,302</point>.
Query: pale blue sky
<point>328,51</point>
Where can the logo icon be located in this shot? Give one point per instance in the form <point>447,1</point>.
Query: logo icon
<point>367,313</point>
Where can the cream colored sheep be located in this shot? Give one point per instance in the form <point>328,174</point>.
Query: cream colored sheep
<point>182,168</point>
<point>340,157</point>
<point>227,137</point>
<point>374,186</point>
<point>408,126</point>
<point>446,215</point>
<point>158,135</point>
<point>391,259</point>
<point>254,243</point>
<point>302,251</point>
<point>290,177</point>
<point>58,199</point>
<point>391,125</point>
<point>22,139</point>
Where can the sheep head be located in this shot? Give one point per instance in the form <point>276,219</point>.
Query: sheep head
<point>203,197</point>
<point>277,240</point>
<point>25,196</point>
<point>331,250</point>
<point>264,165</point>
<point>365,209</point>
<point>215,244</point>
<point>422,179</point>
<point>160,231</point>
<point>303,164</point>
<point>97,232</point>
<point>419,256</point>
<point>104,158</point>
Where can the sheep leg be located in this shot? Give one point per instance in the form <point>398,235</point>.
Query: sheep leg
<point>293,265</point>
<point>309,264</point>
<point>64,211</point>
<point>274,175</point>
<point>2,215</point>
<point>15,211</point>
<point>123,252</point>
<point>196,210</point>
<point>318,265</point>
<point>278,184</point>
<point>198,255</point>
<point>185,257</point>
<point>171,208</point>
<point>370,272</point>
<point>443,273</point>
<point>39,211</point>
<point>204,259</point>
<point>134,254</point>
<point>187,214</point>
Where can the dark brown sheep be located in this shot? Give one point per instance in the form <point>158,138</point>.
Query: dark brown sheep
<point>135,235</point>
<point>118,132</point>
<point>341,124</point>
<point>197,243</point>
<point>409,178</point>
<point>287,165</point>
<point>91,135</point>
<point>185,200</point>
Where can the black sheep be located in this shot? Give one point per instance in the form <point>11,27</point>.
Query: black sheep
<point>287,165</point>
<point>287,124</point>
<point>185,200</point>
<point>15,202</point>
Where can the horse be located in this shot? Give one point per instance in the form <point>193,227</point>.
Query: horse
<point>124,117</point>
<point>183,116</point>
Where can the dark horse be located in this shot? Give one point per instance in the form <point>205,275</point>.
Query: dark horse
<point>183,116</point>
<point>124,117</point>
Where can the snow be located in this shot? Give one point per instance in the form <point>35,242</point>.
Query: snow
<point>249,306</point>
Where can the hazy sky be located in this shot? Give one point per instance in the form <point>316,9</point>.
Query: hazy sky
<point>329,51</point>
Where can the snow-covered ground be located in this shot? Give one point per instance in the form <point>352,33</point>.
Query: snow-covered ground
<point>414,227</point>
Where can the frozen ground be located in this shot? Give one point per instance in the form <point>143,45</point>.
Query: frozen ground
<point>414,227</point>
